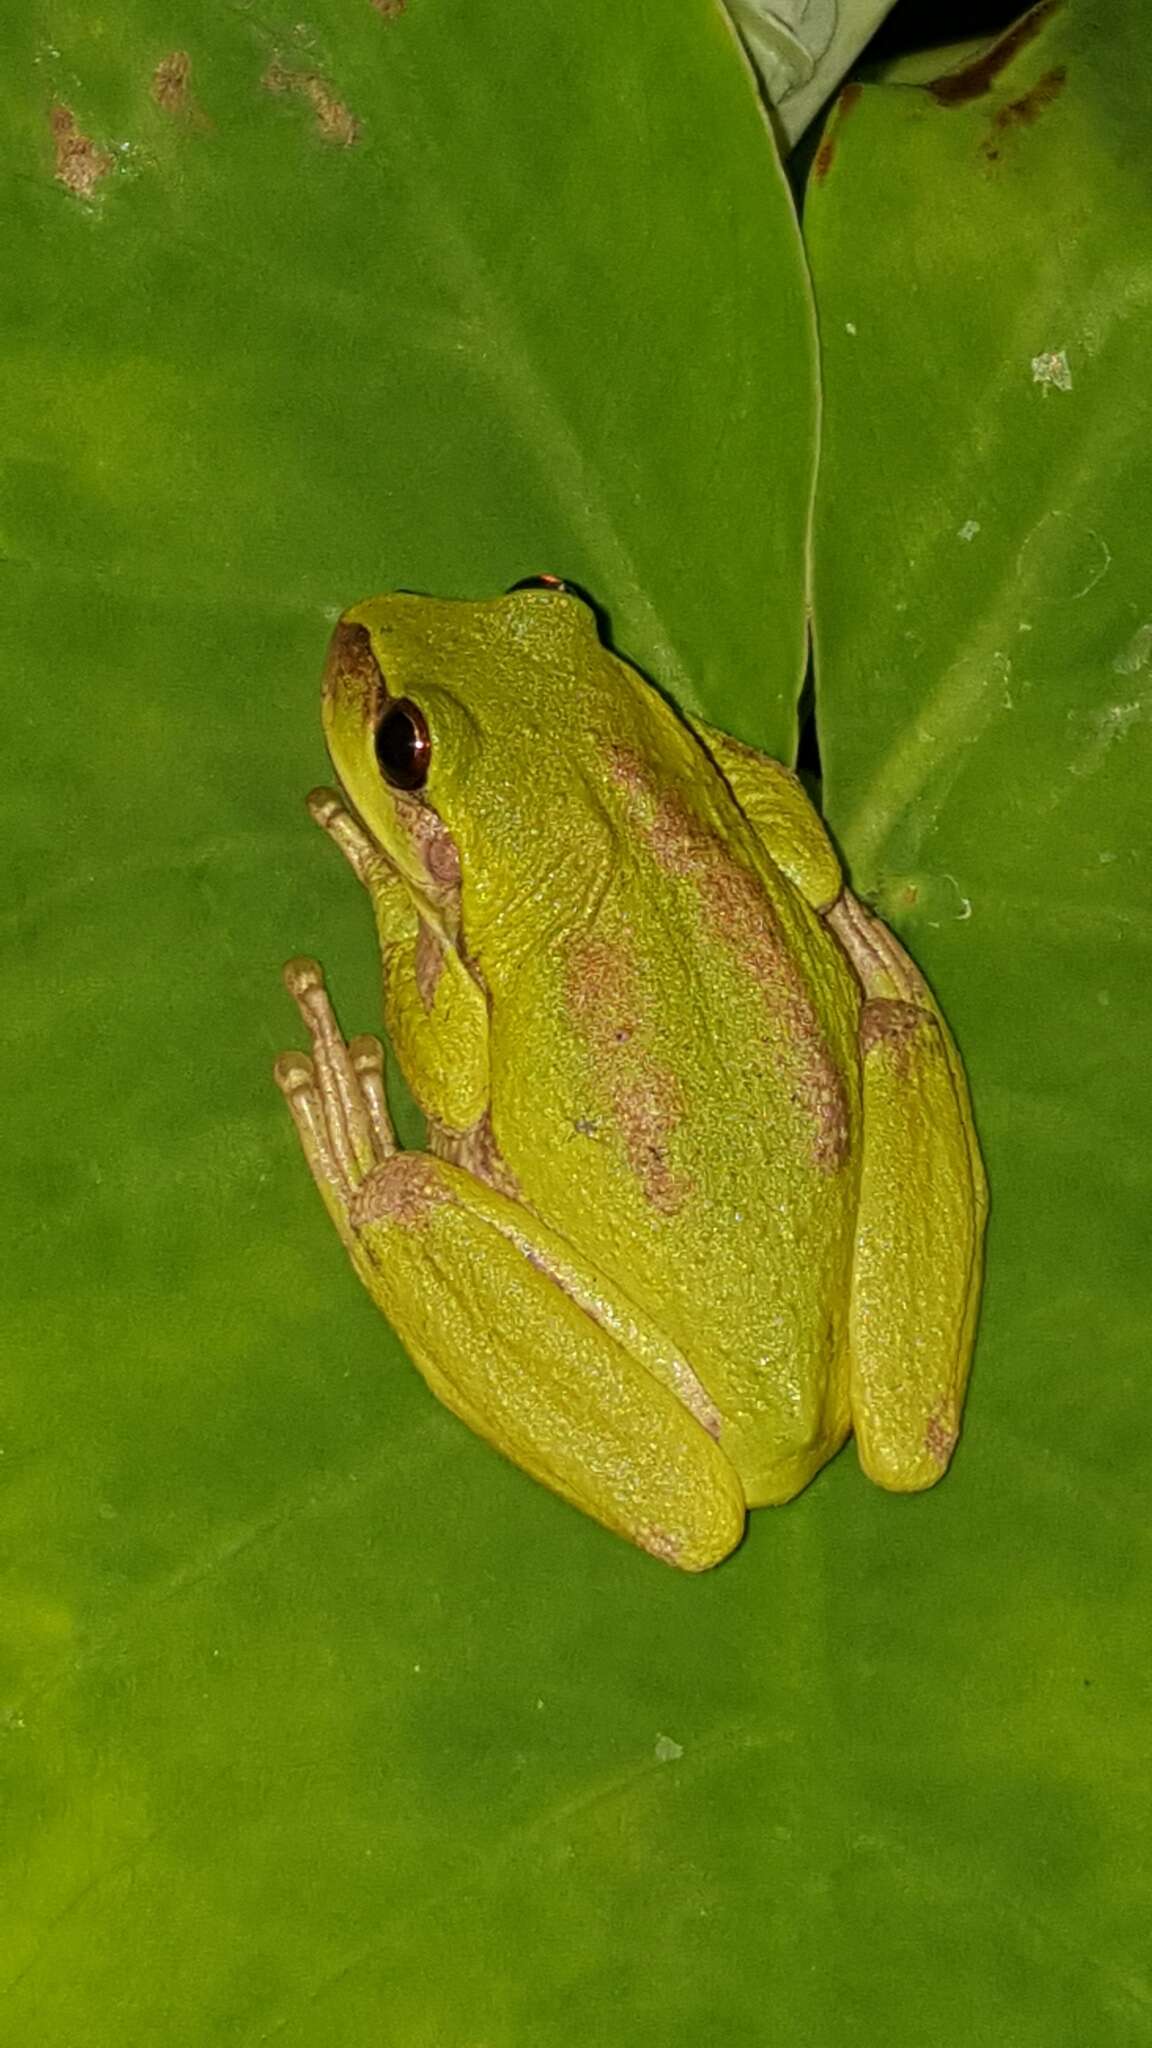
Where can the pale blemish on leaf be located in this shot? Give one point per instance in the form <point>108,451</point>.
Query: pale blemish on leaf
<point>666,1751</point>
<point>1112,724</point>
<point>1050,367</point>
<point>1135,655</point>
<point>969,530</point>
<point>1065,561</point>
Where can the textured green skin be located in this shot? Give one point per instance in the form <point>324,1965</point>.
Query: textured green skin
<point>666,1053</point>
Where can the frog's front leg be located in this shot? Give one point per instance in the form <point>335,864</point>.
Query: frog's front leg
<point>923,1199</point>
<point>529,1349</point>
<point>435,1011</point>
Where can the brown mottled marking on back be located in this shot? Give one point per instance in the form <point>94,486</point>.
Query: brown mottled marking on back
<point>740,914</point>
<point>405,1190</point>
<point>606,1000</point>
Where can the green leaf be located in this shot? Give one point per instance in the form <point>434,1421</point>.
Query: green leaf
<point>983,263</point>
<point>320,1724</point>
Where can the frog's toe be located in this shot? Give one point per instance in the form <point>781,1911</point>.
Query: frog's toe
<point>335,1093</point>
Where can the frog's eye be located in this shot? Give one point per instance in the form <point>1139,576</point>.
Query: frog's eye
<point>537,583</point>
<point>403,747</point>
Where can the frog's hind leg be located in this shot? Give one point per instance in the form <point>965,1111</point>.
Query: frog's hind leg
<point>916,1272</point>
<point>530,1350</point>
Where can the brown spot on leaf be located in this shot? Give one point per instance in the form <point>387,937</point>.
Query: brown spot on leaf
<point>607,1000</point>
<point>822,162</point>
<point>80,162</point>
<point>1022,112</point>
<point>172,90</point>
<point>956,88</point>
<point>334,122</point>
<point>741,914</point>
<point>389,10</point>
<point>405,1190</point>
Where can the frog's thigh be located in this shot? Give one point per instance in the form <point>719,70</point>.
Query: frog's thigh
<point>774,801</point>
<point>469,1283</point>
<point>916,1271</point>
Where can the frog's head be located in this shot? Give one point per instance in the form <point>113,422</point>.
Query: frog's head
<point>461,731</point>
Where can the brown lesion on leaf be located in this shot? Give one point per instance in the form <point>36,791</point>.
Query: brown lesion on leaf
<point>822,162</point>
<point>389,10</point>
<point>739,913</point>
<point>80,163</point>
<point>606,998</point>
<point>171,90</point>
<point>1023,112</point>
<point>957,88</point>
<point>334,121</point>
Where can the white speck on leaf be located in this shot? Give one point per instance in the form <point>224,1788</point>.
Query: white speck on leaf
<point>667,1751</point>
<point>1108,726</point>
<point>969,530</point>
<point>965,902</point>
<point>849,327</point>
<point>1051,368</point>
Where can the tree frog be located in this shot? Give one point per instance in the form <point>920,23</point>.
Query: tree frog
<point>701,1192</point>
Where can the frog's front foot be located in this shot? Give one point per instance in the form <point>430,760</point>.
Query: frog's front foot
<point>327,808</point>
<point>336,1096</point>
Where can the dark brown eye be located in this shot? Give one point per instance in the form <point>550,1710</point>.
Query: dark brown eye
<point>403,747</point>
<point>537,583</point>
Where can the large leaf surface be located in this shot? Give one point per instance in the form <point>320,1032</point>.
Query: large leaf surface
<point>983,266</point>
<point>320,1723</point>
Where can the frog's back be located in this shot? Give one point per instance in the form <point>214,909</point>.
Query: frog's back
<point>690,1116</point>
